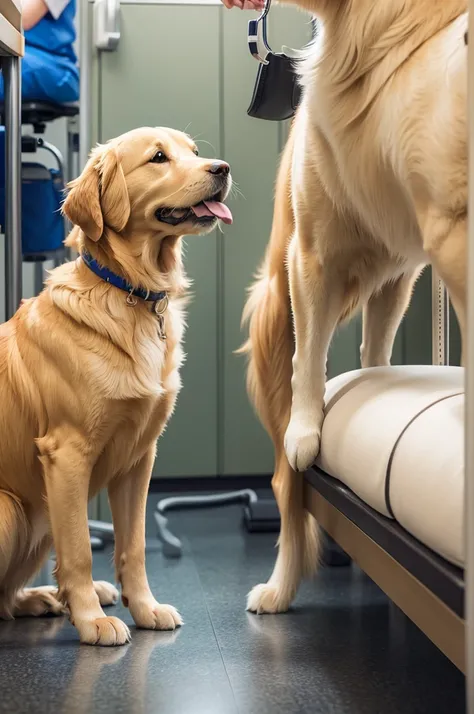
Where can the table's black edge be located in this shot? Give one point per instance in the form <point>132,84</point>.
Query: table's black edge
<point>444,580</point>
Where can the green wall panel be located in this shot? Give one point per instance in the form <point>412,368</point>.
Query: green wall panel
<point>252,147</point>
<point>160,76</point>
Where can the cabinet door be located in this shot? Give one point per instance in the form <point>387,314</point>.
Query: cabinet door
<point>166,73</point>
<point>252,148</point>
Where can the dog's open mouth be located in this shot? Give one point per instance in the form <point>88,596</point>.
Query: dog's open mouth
<point>203,213</point>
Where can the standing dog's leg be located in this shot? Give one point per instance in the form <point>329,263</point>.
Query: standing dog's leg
<point>128,495</point>
<point>270,349</point>
<point>317,297</point>
<point>298,544</point>
<point>67,469</point>
<point>381,319</point>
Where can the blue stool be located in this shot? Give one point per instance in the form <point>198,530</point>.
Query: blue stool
<point>43,228</point>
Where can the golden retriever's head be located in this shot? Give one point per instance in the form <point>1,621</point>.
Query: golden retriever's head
<point>149,182</point>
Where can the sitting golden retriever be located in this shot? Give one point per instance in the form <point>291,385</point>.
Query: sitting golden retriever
<point>89,374</point>
<point>372,187</point>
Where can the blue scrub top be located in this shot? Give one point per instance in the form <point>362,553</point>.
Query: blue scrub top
<point>49,69</point>
<point>55,36</point>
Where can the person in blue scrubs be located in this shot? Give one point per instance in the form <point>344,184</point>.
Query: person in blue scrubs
<point>49,67</point>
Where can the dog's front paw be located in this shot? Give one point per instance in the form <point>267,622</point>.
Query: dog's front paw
<point>267,598</point>
<point>302,442</point>
<point>154,616</point>
<point>103,631</point>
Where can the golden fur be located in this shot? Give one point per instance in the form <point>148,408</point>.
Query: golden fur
<point>87,386</point>
<point>372,187</point>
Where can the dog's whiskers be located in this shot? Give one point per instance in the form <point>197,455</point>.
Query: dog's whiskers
<point>236,191</point>
<point>203,141</point>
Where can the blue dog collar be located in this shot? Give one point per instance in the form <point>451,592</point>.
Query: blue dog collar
<point>109,277</point>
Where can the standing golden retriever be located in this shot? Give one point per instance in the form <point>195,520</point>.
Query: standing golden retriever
<point>89,374</point>
<point>372,187</point>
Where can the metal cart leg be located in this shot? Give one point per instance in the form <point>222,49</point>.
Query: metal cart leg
<point>171,544</point>
<point>11,67</point>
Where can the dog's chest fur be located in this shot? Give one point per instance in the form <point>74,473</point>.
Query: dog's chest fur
<point>112,373</point>
<point>143,398</point>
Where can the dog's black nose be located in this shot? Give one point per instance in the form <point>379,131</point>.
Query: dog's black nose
<point>219,168</point>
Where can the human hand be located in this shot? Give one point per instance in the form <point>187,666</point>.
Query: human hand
<point>245,4</point>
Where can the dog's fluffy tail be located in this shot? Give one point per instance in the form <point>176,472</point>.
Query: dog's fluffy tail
<point>13,545</point>
<point>269,349</point>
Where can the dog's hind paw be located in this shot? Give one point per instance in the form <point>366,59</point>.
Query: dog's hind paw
<point>267,598</point>
<point>155,616</point>
<point>35,602</point>
<point>107,593</point>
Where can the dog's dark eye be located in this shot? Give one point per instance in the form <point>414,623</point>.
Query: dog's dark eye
<point>159,158</point>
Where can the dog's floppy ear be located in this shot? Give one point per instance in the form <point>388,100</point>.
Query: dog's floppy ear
<point>99,196</point>
<point>114,197</point>
<point>82,205</point>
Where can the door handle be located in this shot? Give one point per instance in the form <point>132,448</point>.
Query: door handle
<point>106,25</point>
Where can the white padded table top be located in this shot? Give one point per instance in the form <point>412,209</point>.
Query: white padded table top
<point>379,422</point>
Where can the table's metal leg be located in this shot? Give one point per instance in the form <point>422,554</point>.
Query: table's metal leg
<point>72,170</point>
<point>85,63</point>
<point>11,67</point>
<point>68,176</point>
<point>70,154</point>
<point>469,424</point>
<point>85,114</point>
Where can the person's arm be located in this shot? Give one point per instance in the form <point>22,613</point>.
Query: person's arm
<point>244,4</point>
<point>32,12</point>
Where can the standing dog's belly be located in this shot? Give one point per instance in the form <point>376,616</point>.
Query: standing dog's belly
<point>386,212</point>
<point>359,183</point>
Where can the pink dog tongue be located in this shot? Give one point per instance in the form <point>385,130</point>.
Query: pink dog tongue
<point>213,208</point>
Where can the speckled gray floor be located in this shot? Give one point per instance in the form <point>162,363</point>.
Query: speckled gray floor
<point>343,649</point>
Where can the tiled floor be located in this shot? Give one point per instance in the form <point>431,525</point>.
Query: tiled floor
<point>343,649</point>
